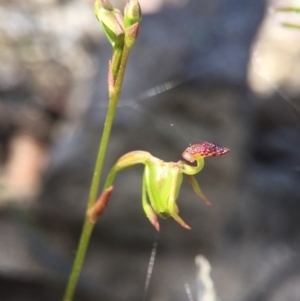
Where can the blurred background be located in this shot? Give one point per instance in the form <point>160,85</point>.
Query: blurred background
<point>223,71</point>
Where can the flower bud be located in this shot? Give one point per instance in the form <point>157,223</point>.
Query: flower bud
<point>112,21</point>
<point>132,18</point>
<point>132,13</point>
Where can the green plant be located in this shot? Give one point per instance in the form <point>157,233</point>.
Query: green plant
<point>162,180</point>
<point>121,32</point>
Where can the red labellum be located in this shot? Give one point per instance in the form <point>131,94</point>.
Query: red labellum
<point>202,150</point>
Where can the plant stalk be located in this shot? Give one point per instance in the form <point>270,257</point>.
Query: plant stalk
<point>114,94</point>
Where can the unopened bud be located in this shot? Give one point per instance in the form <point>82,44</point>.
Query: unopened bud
<point>132,18</point>
<point>112,22</point>
<point>132,13</point>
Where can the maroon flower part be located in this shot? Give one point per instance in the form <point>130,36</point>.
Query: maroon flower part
<point>204,149</point>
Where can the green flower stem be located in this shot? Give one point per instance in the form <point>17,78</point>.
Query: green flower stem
<point>115,61</point>
<point>79,259</point>
<point>114,94</point>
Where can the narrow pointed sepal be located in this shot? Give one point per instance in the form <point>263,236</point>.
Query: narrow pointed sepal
<point>151,216</point>
<point>198,191</point>
<point>181,222</point>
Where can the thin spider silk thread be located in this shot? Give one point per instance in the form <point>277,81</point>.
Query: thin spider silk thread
<point>150,267</point>
<point>188,290</point>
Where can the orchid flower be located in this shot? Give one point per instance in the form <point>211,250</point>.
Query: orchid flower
<point>162,180</point>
